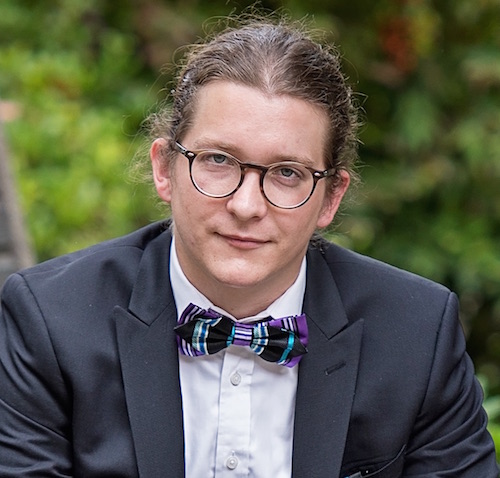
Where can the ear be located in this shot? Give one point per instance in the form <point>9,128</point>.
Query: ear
<point>161,169</point>
<point>332,201</point>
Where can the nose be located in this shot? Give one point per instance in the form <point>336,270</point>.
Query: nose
<point>248,201</point>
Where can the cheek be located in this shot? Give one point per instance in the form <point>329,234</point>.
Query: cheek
<point>297,229</point>
<point>178,186</point>
<point>189,207</point>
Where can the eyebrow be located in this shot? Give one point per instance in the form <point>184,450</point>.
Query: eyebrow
<point>208,143</point>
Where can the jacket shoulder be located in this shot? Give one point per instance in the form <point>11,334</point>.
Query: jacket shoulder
<point>136,240</point>
<point>377,291</point>
<point>366,270</point>
<point>90,269</point>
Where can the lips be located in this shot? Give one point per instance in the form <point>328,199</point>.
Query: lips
<point>243,242</point>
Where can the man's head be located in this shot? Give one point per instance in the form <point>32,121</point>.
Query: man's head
<point>267,98</point>
<point>277,59</point>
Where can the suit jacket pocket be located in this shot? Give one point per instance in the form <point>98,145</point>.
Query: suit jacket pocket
<point>392,468</point>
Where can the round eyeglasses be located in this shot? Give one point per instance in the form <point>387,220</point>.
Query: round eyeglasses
<point>217,174</point>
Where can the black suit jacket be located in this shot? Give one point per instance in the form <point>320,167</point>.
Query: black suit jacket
<point>90,385</point>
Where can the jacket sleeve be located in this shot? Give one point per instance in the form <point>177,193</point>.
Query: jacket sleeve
<point>450,437</point>
<point>34,402</point>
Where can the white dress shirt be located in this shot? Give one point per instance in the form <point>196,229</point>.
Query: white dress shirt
<point>238,409</point>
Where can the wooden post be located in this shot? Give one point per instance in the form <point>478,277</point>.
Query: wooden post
<point>15,252</point>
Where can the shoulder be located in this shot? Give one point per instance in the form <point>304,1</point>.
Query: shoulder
<point>373,289</point>
<point>116,259</point>
<point>352,267</point>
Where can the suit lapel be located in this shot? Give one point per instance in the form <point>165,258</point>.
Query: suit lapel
<point>327,377</point>
<point>148,355</point>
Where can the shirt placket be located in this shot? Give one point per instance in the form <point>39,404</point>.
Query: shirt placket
<point>233,439</point>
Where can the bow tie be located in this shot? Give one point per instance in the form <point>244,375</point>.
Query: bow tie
<point>205,332</point>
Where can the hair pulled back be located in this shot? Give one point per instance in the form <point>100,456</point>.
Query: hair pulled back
<point>278,58</point>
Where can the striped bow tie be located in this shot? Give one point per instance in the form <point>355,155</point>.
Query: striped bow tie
<point>205,332</point>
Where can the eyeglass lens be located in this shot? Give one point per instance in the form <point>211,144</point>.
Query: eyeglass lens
<point>284,185</point>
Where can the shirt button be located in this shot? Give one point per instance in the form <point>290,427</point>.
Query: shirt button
<point>235,379</point>
<point>232,462</point>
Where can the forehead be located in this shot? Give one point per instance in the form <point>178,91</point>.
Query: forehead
<point>254,124</point>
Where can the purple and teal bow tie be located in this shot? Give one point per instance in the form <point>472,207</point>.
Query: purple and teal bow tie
<point>206,332</point>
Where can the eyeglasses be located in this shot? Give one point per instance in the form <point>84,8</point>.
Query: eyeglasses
<point>217,174</point>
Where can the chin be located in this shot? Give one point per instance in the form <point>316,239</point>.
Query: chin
<point>240,278</point>
<point>238,281</point>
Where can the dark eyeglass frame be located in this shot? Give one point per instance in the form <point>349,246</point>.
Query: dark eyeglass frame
<point>191,155</point>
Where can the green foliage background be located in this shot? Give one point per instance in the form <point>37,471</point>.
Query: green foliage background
<point>77,78</point>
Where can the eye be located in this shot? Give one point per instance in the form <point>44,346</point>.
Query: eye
<point>287,175</point>
<point>215,162</point>
<point>287,172</point>
<point>217,158</point>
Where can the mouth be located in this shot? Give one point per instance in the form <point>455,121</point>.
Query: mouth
<point>243,242</point>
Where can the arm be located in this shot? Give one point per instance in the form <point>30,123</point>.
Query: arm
<point>34,404</point>
<point>450,436</point>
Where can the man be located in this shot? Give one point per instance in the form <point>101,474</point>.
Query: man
<point>151,355</point>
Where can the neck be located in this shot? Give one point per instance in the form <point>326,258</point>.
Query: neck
<point>242,302</point>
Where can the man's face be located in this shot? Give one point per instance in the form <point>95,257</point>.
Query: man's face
<point>242,246</point>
